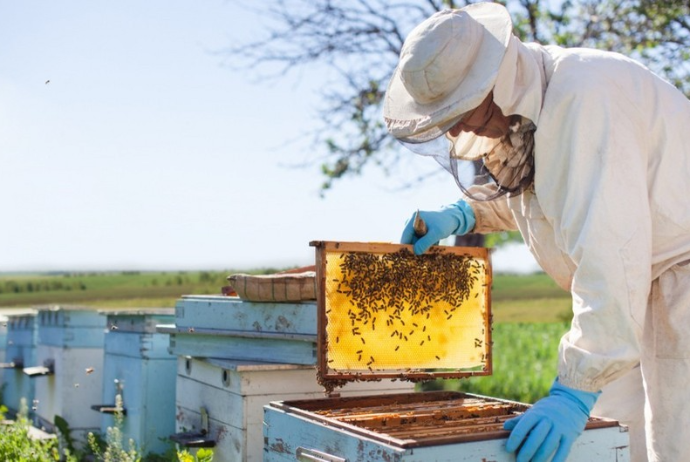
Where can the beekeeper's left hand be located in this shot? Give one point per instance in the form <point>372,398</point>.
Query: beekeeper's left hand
<point>552,424</point>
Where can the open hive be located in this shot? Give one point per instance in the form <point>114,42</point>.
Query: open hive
<point>417,420</point>
<point>384,312</point>
<point>413,419</point>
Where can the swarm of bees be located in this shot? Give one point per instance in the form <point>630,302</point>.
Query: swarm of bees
<point>396,295</point>
<point>393,282</point>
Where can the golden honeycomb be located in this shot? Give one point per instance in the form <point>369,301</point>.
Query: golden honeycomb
<point>389,311</point>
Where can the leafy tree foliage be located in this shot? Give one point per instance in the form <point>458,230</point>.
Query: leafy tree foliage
<point>359,41</point>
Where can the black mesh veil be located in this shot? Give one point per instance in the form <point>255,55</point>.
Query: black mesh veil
<point>507,162</point>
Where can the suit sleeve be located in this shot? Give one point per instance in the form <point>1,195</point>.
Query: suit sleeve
<point>491,216</point>
<point>591,182</point>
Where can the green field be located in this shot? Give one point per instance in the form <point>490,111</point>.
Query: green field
<point>127,289</point>
<point>533,298</point>
<point>524,363</point>
<point>530,314</point>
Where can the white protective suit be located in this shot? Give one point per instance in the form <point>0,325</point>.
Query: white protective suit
<point>608,218</point>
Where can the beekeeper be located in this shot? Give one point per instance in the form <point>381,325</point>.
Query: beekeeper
<point>589,153</point>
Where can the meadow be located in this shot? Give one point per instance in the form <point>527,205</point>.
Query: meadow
<point>126,289</point>
<point>524,363</point>
<point>530,314</point>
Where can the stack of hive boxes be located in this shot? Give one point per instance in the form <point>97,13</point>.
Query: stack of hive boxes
<point>235,356</point>
<point>19,349</point>
<point>68,369</point>
<point>140,370</point>
<point>66,361</point>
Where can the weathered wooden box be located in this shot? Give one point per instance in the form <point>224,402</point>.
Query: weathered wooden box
<point>413,427</point>
<point>231,328</point>
<point>138,367</point>
<point>220,402</point>
<point>69,368</point>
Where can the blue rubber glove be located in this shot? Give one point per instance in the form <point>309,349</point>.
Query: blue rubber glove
<point>552,424</point>
<point>456,218</point>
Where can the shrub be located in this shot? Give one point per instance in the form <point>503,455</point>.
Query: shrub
<point>16,444</point>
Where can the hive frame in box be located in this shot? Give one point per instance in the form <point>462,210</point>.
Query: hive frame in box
<point>414,427</point>
<point>330,377</point>
<point>481,420</point>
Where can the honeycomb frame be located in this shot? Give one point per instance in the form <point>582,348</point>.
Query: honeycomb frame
<point>383,312</point>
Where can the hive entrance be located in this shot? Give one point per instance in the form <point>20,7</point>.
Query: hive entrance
<point>387,313</point>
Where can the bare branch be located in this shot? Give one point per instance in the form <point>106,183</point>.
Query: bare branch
<point>359,41</point>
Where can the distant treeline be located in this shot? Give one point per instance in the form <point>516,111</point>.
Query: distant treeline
<point>49,285</point>
<point>82,281</point>
<point>125,289</point>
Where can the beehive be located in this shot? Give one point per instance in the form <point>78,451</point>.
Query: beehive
<point>138,367</point>
<point>215,326</point>
<point>414,427</point>
<point>234,357</point>
<point>21,351</point>
<point>69,368</point>
<point>230,394</point>
<point>385,313</point>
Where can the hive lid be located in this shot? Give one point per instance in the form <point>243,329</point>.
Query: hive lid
<point>384,312</point>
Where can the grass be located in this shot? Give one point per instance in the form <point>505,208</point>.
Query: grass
<point>544,310</point>
<point>110,289</point>
<point>533,298</point>
<point>524,287</point>
<point>524,363</point>
<point>530,314</point>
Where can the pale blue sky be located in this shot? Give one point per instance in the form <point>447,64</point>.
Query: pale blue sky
<point>126,143</point>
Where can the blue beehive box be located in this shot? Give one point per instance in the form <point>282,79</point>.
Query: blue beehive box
<point>69,368</point>
<point>235,356</point>
<point>138,367</point>
<point>414,427</point>
<point>3,337</point>
<point>20,352</point>
<point>230,328</point>
<point>3,346</point>
<point>220,402</point>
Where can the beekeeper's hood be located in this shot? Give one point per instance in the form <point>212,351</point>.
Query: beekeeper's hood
<point>448,65</point>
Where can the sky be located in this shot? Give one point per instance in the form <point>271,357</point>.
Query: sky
<point>129,142</point>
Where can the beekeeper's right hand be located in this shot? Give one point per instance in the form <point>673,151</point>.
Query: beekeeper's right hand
<point>551,426</point>
<point>452,219</point>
